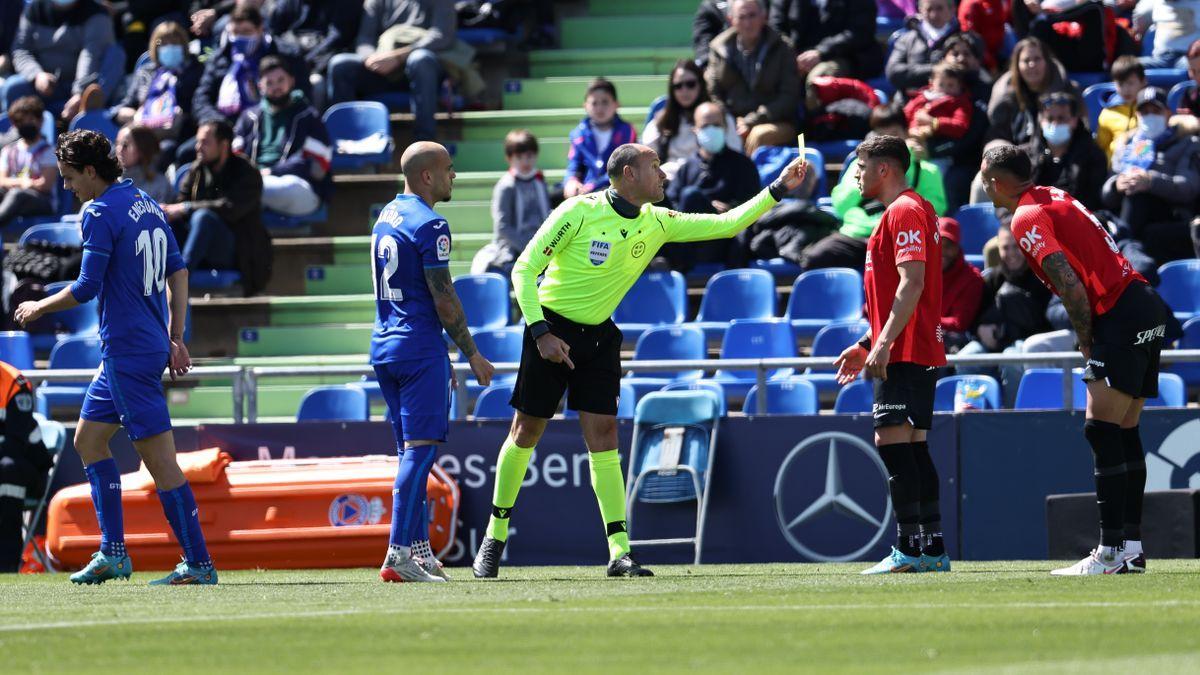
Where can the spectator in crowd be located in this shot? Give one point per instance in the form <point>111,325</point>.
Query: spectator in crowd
<point>1081,34</point>
<point>987,19</point>
<point>599,133</point>
<point>712,17</point>
<point>398,43</point>
<point>942,110</point>
<point>714,179</point>
<point>1176,28</point>
<point>895,9</point>
<point>28,168</point>
<point>161,94</point>
<point>63,48</point>
<point>831,37</point>
<point>520,204</point>
<point>220,217</point>
<point>920,45</point>
<point>1013,308</point>
<point>10,16</point>
<point>838,107</point>
<point>1190,103</point>
<point>204,15</point>
<point>1013,109</point>
<point>670,131</point>
<point>962,288</point>
<point>24,463</point>
<point>1063,152</point>
<point>1119,117</point>
<point>137,148</point>
<point>750,71</point>
<point>228,84</point>
<point>965,52</point>
<point>318,29</point>
<point>285,138</point>
<point>848,246</point>
<point>137,20</point>
<point>1155,179</point>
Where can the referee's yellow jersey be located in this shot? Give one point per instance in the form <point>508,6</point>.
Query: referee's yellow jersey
<point>592,255</point>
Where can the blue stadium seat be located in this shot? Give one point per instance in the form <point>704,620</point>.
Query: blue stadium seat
<point>829,343</point>
<point>666,343</point>
<point>334,403</point>
<point>1165,78</point>
<point>53,233</point>
<point>655,106</point>
<point>1177,92</point>
<point>1085,80</point>
<point>793,396</point>
<point>181,174</point>
<point>735,294</point>
<point>1172,392</point>
<point>856,397</point>
<point>979,224</point>
<point>780,268</point>
<point>492,403</point>
<point>478,37</point>
<point>79,320</point>
<point>771,159</point>
<point>356,121</point>
<point>655,299</point>
<point>1190,372</point>
<point>1148,41</point>
<point>498,345</point>
<point>98,121</point>
<point>1041,388</point>
<point>943,394</point>
<point>832,151</point>
<point>702,385</point>
<point>211,280</point>
<point>79,352</point>
<point>626,404</point>
<point>484,299</point>
<point>823,296</point>
<point>16,349</point>
<point>1096,98</point>
<point>754,339</point>
<point>276,222</point>
<point>1179,286</point>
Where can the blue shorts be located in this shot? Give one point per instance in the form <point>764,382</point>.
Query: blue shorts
<point>418,397</point>
<point>128,390</point>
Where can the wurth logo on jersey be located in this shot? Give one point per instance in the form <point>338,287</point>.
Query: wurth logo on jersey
<point>908,241</point>
<point>1032,240</point>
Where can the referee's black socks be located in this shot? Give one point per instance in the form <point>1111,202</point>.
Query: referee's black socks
<point>930,507</point>
<point>1108,448</point>
<point>1135,482</point>
<point>904,484</point>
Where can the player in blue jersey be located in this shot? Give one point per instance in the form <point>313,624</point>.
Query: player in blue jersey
<point>132,264</point>
<point>415,300</point>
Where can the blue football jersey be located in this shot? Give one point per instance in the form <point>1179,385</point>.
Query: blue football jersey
<point>128,228</point>
<point>408,238</point>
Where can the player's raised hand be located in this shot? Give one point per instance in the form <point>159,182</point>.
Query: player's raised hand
<point>554,350</point>
<point>794,173</point>
<point>850,363</point>
<point>181,360</point>
<point>483,369</point>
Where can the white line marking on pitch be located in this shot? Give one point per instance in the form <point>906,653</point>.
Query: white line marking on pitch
<point>123,621</point>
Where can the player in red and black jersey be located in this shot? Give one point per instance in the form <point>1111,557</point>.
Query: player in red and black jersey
<point>1120,324</point>
<point>903,283</point>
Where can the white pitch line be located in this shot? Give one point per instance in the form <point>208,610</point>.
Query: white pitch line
<point>126,621</point>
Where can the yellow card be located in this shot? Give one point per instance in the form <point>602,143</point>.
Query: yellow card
<point>800,144</point>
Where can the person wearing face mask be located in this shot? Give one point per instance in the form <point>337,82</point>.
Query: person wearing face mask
<point>1063,153</point>
<point>161,93</point>
<point>286,139</point>
<point>28,168</point>
<point>714,179</point>
<point>921,44</point>
<point>1156,179</point>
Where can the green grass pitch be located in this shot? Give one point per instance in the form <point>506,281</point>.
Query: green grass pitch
<point>983,617</point>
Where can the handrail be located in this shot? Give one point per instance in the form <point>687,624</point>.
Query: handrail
<point>197,374</point>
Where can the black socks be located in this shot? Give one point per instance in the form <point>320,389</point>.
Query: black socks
<point>1135,482</point>
<point>1108,447</point>
<point>904,484</point>
<point>930,508</point>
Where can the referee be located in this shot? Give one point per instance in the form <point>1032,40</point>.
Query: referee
<point>593,248</point>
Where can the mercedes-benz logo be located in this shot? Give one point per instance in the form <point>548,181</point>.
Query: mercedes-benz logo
<point>834,497</point>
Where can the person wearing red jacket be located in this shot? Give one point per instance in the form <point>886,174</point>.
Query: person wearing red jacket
<point>942,110</point>
<point>987,18</point>
<point>962,287</point>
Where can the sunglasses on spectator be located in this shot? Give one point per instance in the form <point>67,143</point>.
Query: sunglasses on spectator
<point>1056,99</point>
<point>686,84</point>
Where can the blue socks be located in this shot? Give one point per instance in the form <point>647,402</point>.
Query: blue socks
<point>105,479</point>
<point>409,520</point>
<point>179,505</point>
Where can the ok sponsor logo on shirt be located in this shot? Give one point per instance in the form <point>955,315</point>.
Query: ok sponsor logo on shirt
<point>908,241</point>
<point>1032,242</point>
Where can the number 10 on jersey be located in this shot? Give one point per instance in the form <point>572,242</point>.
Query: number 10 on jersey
<point>152,247</point>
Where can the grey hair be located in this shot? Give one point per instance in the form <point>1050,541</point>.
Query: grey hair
<point>623,156</point>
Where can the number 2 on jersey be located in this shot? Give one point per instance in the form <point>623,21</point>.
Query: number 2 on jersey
<point>152,247</point>
<point>387,249</point>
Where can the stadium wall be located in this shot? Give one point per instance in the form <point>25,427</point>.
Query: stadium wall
<point>996,467</point>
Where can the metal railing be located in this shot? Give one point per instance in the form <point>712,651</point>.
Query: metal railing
<point>245,379</point>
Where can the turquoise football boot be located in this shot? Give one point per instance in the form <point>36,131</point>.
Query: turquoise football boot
<point>896,563</point>
<point>935,563</point>
<point>186,575</point>
<point>102,567</point>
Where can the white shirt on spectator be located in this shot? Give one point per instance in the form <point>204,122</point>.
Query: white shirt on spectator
<point>684,144</point>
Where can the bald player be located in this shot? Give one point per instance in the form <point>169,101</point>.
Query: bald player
<point>592,249</point>
<point>414,301</point>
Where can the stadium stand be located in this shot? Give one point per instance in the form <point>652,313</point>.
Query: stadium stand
<point>344,403</point>
<point>793,396</point>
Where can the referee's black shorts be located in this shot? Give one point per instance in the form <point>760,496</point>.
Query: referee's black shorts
<point>593,386</point>
<point>1126,341</point>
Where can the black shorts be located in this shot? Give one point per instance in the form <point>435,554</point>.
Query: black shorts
<point>1126,341</point>
<point>906,396</point>
<point>593,386</point>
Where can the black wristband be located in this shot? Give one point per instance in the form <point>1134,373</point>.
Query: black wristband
<point>539,328</point>
<point>865,343</point>
<point>778,189</point>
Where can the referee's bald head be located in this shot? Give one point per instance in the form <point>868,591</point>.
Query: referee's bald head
<point>626,156</point>
<point>633,170</point>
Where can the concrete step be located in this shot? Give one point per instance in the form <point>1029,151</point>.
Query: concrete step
<point>564,92</point>
<point>646,30</point>
<point>488,155</point>
<point>633,9</point>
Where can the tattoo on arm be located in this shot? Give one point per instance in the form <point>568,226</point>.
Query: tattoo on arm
<point>1074,296</point>
<point>449,309</point>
